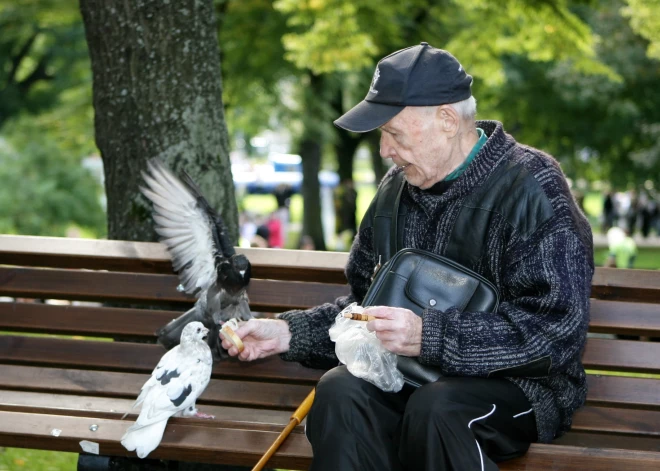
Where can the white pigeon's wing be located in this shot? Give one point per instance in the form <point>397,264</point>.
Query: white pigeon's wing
<point>167,363</point>
<point>183,226</point>
<point>176,385</point>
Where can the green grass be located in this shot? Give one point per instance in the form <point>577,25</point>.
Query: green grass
<point>15,459</point>
<point>647,258</point>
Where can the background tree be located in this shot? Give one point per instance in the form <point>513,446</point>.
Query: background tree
<point>42,53</point>
<point>157,93</point>
<point>599,128</point>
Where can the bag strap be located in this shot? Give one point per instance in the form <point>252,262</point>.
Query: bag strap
<point>394,235</point>
<point>386,203</point>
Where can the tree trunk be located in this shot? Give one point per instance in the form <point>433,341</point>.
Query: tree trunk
<point>310,152</point>
<point>157,93</point>
<point>380,169</point>
<point>345,147</point>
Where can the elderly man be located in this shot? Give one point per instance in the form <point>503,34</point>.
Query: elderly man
<point>504,210</point>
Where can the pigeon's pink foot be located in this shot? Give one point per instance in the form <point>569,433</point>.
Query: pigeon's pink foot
<point>201,415</point>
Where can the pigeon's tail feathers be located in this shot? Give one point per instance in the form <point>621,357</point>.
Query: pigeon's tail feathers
<point>144,440</point>
<point>169,335</point>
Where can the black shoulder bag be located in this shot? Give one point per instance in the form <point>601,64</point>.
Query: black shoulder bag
<point>417,280</point>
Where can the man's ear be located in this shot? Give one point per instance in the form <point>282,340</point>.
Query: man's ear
<point>449,120</point>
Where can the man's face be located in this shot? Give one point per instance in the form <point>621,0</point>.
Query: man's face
<point>414,140</point>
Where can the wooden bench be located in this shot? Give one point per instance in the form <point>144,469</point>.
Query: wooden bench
<point>72,383</point>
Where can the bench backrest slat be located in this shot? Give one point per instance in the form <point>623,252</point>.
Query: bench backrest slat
<point>136,358</point>
<point>149,257</point>
<point>624,392</point>
<point>265,295</point>
<point>600,354</point>
<point>325,267</point>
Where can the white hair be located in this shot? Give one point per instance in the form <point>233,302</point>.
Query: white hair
<point>466,109</point>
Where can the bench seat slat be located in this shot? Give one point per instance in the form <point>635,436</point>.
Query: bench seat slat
<point>153,289</point>
<point>127,385</point>
<point>600,440</point>
<point>244,447</point>
<point>114,408</point>
<point>568,458</point>
<point>617,421</point>
<point>137,358</point>
<point>180,442</point>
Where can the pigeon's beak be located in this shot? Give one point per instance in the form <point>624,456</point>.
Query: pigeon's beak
<point>242,272</point>
<point>206,334</point>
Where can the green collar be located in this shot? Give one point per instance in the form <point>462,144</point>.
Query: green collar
<point>475,150</point>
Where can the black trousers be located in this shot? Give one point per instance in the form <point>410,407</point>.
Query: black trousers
<point>456,423</point>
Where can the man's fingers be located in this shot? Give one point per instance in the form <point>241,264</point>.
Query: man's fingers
<point>246,355</point>
<point>233,351</point>
<point>383,325</point>
<point>244,329</point>
<point>381,312</point>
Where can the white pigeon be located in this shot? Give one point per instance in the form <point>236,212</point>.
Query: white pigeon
<point>178,380</point>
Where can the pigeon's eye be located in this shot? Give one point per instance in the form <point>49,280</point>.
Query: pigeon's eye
<point>199,330</point>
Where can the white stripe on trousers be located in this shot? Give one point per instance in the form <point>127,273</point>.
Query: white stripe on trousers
<point>481,457</point>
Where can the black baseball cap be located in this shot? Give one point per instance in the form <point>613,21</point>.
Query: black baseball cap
<point>416,76</point>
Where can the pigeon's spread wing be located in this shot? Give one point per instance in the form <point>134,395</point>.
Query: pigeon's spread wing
<point>184,227</point>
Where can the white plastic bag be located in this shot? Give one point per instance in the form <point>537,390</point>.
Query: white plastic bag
<point>363,354</point>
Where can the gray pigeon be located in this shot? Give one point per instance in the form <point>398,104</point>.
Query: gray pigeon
<point>202,255</point>
<point>179,379</point>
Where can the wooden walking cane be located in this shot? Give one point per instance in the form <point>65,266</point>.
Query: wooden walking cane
<point>295,420</point>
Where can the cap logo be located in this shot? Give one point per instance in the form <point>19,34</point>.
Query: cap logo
<point>373,82</point>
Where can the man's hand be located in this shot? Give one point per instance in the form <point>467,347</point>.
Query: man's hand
<point>261,338</point>
<point>398,329</point>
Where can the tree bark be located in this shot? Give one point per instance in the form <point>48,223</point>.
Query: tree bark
<point>157,92</point>
<point>310,153</point>
<point>380,169</point>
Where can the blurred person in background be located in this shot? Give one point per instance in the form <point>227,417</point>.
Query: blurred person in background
<point>609,212</point>
<point>622,249</point>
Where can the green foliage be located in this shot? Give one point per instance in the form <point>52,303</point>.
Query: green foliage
<point>326,36</point>
<point>45,191</point>
<point>645,20</point>
<point>599,128</point>
<point>42,53</point>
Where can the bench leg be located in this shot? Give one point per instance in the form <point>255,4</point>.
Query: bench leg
<point>117,463</point>
<point>122,463</point>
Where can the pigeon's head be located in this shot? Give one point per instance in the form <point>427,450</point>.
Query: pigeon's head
<point>235,273</point>
<point>194,331</point>
<point>242,266</point>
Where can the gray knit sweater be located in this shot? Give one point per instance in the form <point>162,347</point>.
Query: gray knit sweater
<point>544,281</point>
